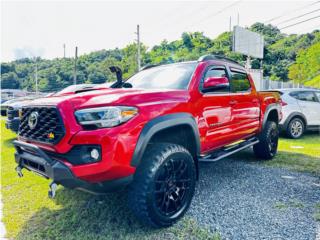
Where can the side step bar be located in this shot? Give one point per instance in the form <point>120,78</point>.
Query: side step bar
<point>226,151</point>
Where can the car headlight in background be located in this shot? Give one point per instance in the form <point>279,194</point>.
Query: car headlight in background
<point>104,117</point>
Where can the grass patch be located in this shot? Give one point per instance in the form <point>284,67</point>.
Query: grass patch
<point>308,144</point>
<point>317,213</point>
<point>290,204</point>
<point>30,214</point>
<point>301,155</point>
<point>281,205</point>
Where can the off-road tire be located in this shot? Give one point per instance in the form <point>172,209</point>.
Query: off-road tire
<point>150,184</point>
<point>295,128</point>
<point>268,141</point>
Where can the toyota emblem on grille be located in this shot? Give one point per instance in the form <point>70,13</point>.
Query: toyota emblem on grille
<point>33,120</point>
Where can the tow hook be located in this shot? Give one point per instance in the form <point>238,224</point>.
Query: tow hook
<point>19,171</point>
<point>52,190</point>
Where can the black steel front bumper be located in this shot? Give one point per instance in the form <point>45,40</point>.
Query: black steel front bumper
<point>34,159</point>
<point>13,124</point>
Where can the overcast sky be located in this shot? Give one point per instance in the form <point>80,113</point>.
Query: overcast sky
<point>40,28</point>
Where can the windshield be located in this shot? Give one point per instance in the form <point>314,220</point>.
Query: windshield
<point>174,76</point>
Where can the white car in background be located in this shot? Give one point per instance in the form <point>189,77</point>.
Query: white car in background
<point>301,111</point>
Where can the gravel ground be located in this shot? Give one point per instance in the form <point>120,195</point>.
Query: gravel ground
<point>243,200</point>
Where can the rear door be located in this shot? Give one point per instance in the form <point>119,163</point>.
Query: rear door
<point>245,105</point>
<point>309,105</point>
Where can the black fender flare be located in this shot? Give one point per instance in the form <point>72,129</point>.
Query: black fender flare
<point>273,106</point>
<point>160,123</point>
<point>291,116</point>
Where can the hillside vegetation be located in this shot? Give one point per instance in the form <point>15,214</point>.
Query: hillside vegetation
<point>287,57</point>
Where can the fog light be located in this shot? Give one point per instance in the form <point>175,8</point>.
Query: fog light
<point>94,154</point>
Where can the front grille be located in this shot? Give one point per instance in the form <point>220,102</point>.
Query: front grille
<point>49,127</point>
<point>12,113</point>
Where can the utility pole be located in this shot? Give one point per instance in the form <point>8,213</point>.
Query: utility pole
<point>138,51</point>
<point>238,19</point>
<point>64,50</point>
<point>230,24</point>
<point>75,67</point>
<point>248,63</point>
<point>36,76</point>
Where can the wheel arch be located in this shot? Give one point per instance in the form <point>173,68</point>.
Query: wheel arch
<point>272,113</point>
<point>295,115</point>
<point>169,128</point>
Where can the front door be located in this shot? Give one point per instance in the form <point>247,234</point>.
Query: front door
<point>215,112</point>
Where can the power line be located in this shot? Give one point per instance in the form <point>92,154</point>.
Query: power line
<point>211,15</point>
<point>218,12</point>
<point>292,11</point>
<point>300,22</point>
<point>293,18</point>
<point>179,17</point>
<point>187,13</point>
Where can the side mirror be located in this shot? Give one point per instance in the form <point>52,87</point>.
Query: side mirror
<point>215,83</point>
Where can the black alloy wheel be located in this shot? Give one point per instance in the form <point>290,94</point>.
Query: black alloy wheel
<point>172,186</point>
<point>268,141</point>
<point>163,185</point>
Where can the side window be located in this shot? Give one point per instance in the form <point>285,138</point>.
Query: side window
<point>239,82</point>
<point>304,96</point>
<point>318,96</point>
<point>216,71</point>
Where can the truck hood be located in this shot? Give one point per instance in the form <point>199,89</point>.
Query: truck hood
<point>119,96</point>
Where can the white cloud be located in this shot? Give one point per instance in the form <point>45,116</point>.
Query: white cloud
<point>28,52</point>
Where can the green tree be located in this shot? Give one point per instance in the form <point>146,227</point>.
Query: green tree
<point>9,80</point>
<point>307,65</point>
<point>285,58</point>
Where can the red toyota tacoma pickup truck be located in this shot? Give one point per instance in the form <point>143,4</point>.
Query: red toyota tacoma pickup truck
<point>149,133</point>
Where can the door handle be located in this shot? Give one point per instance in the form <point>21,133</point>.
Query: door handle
<point>233,102</point>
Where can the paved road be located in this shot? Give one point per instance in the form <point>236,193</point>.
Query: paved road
<point>243,200</point>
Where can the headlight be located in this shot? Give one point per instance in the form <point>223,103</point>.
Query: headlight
<point>105,116</point>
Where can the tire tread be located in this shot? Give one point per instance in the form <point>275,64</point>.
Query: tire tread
<point>261,149</point>
<point>138,189</point>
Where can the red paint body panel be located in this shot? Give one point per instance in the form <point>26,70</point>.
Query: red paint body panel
<point>221,118</point>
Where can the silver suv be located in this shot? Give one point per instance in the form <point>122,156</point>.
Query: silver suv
<point>301,111</point>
